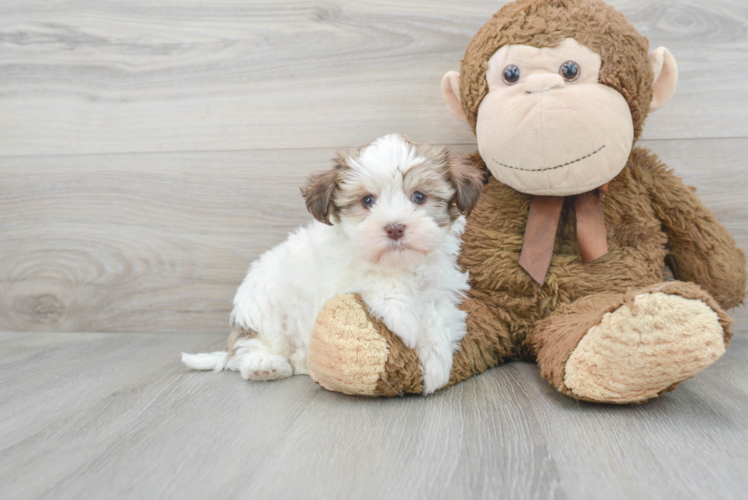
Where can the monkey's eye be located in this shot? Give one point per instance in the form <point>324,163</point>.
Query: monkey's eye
<point>570,71</point>
<point>511,74</point>
<point>418,198</point>
<point>368,201</point>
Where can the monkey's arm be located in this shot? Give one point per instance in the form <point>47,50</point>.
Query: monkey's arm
<point>701,250</point>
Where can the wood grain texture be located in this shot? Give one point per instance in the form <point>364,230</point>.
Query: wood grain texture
<point>86,76</point>
<point>115,416</point>
<point>150,150</point>
<point>160,242</point>
<point>157,242</point>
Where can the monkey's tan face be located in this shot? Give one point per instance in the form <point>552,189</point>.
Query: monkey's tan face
<point>547,126</point>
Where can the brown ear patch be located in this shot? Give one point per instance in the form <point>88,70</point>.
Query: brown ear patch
<point>468,179</point>
<point>318,194</point>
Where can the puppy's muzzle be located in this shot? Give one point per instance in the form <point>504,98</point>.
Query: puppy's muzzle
<point>395,231</point>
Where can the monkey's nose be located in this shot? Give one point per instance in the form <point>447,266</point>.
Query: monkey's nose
<point>395,231</point>
<point>543,82</point>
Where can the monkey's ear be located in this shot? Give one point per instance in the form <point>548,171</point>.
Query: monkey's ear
<point>468,180</point>
<point>665,71</point>
<point>318,194</point>
<point>451,93</point>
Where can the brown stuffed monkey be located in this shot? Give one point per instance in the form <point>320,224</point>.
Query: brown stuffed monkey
<point>567,245</point>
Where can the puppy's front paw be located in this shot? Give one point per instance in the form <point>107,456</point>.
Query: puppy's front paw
<point>408,333</point>
<point>399,316</point>
<point>405,325</point>
<point>261,365</point>
<point>436,366</point>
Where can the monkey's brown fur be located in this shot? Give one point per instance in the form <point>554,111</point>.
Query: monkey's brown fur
<point>651,218</point>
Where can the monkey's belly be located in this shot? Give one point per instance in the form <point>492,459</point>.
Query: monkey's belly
<point>519,302</point>
<point>494,237</point>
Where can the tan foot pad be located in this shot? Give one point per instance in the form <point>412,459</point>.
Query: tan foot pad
<point>353,353</point>
<point>639,351</point>
<point>346,353</point>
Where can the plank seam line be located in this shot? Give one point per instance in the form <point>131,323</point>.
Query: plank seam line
<point>319,148</point>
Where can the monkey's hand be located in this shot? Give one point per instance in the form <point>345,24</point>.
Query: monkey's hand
<point>701,250</point>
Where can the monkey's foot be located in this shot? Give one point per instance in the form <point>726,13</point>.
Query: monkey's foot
<point>644,348</point>
<point>353,353</point>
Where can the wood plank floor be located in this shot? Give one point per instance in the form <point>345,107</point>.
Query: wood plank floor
<point>100,415</point>
<point>150,150</point>
<point>102,243</point>
<point>85,76</point>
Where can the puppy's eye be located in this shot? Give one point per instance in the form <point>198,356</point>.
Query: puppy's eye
<point>570,71</point>
<point>418,198</point>
<point>511,74</point>
<point>368,201</point>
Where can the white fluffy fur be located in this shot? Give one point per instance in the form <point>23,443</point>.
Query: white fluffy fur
<point>414,284</point>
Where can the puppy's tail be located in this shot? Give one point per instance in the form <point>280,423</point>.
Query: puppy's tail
<point>215,361</point>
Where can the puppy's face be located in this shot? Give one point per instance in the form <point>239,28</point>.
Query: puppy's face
<point>394,196</point>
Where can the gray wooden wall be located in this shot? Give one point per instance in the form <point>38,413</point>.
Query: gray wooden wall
<point>150,150</point>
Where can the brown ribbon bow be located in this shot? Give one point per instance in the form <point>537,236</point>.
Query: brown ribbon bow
<point>542,224</point>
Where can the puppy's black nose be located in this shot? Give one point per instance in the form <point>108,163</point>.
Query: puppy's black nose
<point>395,231</point>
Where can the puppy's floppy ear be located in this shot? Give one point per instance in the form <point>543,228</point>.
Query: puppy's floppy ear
<point>468,178</point>
<point>318,192</point>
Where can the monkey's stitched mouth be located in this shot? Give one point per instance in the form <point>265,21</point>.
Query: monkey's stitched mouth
<point>549,168</point>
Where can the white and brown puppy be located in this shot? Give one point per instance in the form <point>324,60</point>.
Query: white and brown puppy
<point>389,221</point>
